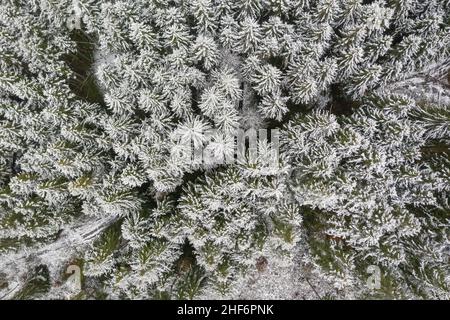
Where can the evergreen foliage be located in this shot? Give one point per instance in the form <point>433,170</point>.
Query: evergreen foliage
<point>100,100</point>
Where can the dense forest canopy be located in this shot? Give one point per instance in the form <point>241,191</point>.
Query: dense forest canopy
<point>98,98</point>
